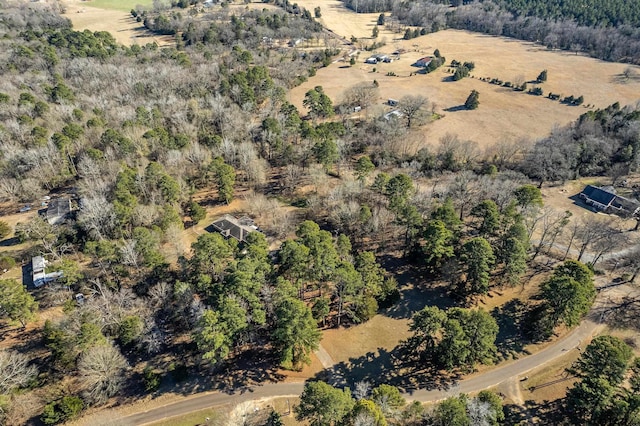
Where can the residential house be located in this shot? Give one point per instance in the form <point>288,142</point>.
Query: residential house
<point>58,210</point>
<point>39,274</point>
<point>423,62</point>
<point>229,226</point>
<point>606,200</point>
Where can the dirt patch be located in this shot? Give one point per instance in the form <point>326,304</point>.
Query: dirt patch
<point>121,25</point>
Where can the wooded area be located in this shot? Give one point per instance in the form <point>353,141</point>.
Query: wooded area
<point>146,143</point>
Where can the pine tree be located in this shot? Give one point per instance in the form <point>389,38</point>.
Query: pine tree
<point>473,100</point>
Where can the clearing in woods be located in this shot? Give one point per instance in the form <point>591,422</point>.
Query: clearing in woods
<point>503,113</point>
<point>113,16</point>
<point>121,5</point>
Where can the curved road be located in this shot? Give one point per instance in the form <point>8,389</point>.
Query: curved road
<point>477,383</point>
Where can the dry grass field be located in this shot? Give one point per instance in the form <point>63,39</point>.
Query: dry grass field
<point>119,23</point>
<point>503,113</point>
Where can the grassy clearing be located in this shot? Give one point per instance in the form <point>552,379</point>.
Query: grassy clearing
<point>97,16</point>
<point>123,5</point>
<point>503,114</point>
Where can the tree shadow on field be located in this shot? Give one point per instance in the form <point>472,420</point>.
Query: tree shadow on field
<point>389,367</point>
<point>187,374</point>
<point>417,289</point>
<point>510,340</point>
<point>455,108</point>
<point>624,314</point>
<point>545,413</point>
<point>14,241</point>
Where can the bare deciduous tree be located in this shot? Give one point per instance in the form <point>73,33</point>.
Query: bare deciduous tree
<point>412,106</point>
<point>97,217</point>
<point>481,413</point>
<point>102,371</point>
<point>362,390</point>
<point>362,95</point>
<point>15,370</point>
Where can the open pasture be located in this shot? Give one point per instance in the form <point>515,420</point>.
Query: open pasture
<point>112,16</point>
<point>503,112</point>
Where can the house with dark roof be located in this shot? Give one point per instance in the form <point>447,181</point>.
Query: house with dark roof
<point>230,227</point>
<point>59,210</point>
<point>606,200</point>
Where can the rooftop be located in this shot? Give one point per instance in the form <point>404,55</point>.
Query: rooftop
<point>230,226</point>
<point>58,210</point>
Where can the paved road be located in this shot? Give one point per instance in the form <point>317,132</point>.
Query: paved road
<point>516,368</point>
<point>210,399</point>
<point>483,381</point>
<point>509,371</point>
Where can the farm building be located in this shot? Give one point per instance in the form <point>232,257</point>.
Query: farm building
<point>605,199</point>
<point>58,210</point>
<point>229,226</point>
<point>424,62</point>
<point>377,58</point>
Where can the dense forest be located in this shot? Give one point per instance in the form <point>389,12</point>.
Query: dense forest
<point>145,140</point>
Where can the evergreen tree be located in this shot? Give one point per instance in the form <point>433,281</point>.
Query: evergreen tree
<point>225,178</point>
<point>438,244</point>
<point>322,404</point>
<point>364,167</point>
<point>473,100</point>
<point>487,212</point>
<point>296,334</point>
<point>477,259</point>
<point>16,303</point>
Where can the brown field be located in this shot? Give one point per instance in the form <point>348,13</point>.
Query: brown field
<point>503,113</point>
<point>121,25</point>
<point>345,22</point>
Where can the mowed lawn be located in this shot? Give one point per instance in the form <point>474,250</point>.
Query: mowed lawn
<point>123,5</point>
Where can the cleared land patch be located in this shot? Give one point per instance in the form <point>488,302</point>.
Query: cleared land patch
<point>503,113</point>
<point>122,5</point>
<point>94,16</point>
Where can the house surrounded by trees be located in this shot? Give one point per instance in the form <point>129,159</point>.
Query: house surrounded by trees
<point>228,226</point>
<point>606,200</point>
<point>39,274</point>
<point>58,210</point>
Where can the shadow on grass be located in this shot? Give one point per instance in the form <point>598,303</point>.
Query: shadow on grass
<point>624,314</point>
<point>510,340</point>
<point>455,108</point>
<point>10,242</point>
<point>544,413</point>
<point>417,290</point>
<point>389,367</point>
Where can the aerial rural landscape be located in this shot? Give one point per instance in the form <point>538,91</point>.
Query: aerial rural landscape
<point>323,212</point>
